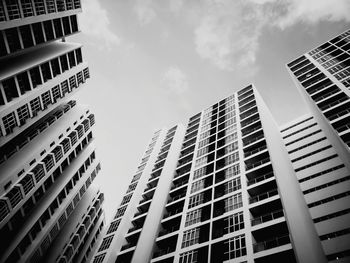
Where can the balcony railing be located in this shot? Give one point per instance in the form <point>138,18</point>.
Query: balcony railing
<point>271,243</point>
<point>127,246</point>
<point>260,178</point>
<point>167,231</point>
<point>256,164</point>
<point>267,217</point>
<point>260,136</point>
<point>176,197</point>
<point>263,196</point>
<point>339,114</point>
<point>246,123</point>
<point>171,213</point>
<point>256,150</point>
<point>163,252</point>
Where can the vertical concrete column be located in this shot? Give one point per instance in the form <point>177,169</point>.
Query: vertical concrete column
<point>143,251</point>
<point>305,241</point>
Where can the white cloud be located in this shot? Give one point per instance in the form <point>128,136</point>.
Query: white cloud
<point>228,33</point>
<point>176,81</point>
<point>94,23</point>
<point>144,11</point>
<point>313,11</point>
<point>176,5</point>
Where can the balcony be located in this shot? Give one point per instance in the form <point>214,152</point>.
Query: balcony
<point>331,103</point>
<point>249,112</point>
<point>271,243</point>
<point>263,196</point>
<point>267,217</point>
<point>250,120</point>
<point>165,246</point>
<point>246,100</point>
<point>260,178</point>
<point>257,161</point>
<point>313,80</point>
<point>325,93</point>
<point>258,147</point>
<point>177,197</point>
<point>174,208</point>
<point>246,132</point>
<point>319,86</point>
<point>270,237</point>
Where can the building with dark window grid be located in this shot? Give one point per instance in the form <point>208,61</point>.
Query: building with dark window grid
<point>50,211</point>
<point>231,186</point>
<point>220,189</point>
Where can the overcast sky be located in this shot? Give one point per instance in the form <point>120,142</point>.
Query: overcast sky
<point>156,63</point>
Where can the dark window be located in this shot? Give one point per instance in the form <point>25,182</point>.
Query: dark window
<point>26,35</point>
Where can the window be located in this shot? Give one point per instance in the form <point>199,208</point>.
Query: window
<point>126,199</point>
<point>189,257</point>
<point>196,200</point>
<point>196,186</point>
<point>233,202</point>
<point>201,161</point>
<point>231,158</point>
<point>233,185</point>
<point>193,217</point>
<point>46,99</point>
<point>9,122</point>
<point>99,258</point>
<point>234,223</point>
<point>202,151</point>
<point>131,187</point>
<point>56,94</point>
<point>230,148</point>
<point>232,171</point>
<point>106,242</point>
<point>199,173</point>
<point>235,247</point>
<point>23,114</point>
<point>113,226</point>
<point>35,106</point>
<point>190,237</point>
<point>120,212</point>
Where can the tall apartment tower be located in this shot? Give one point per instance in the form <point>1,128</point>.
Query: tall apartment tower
<point>49,209</point>
<point>220,189</point>
<point>325,182</point>
<point>322,76</point>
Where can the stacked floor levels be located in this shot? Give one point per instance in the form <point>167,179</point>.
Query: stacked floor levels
<point>325,182</point>
<point>47,156</point>
<point>221,189</point>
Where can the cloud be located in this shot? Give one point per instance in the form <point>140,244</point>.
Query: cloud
<point>228,33</point>
<point>94,23</point>
<point>175,80</point>
<point>145,12</point>
<point>312,11</point>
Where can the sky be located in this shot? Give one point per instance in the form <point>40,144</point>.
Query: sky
<point>155,63</point>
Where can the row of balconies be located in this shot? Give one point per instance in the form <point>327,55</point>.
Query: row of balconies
<point>29,134</point>
<point>15,195</point>
<point>47,215</point>
<point>12,10</point>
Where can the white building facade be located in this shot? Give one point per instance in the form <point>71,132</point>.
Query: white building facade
<point>47,154</point>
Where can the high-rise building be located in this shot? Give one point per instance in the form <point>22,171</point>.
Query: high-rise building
<point>220,189</point>
<point>325,182</point>
<point>323,79</point>
<point>49,209</point>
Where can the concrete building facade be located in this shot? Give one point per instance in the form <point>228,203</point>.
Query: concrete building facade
<point>325,182</point>
<point>221,189</point>
<point>47,154</point>
<point>231,186</point>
